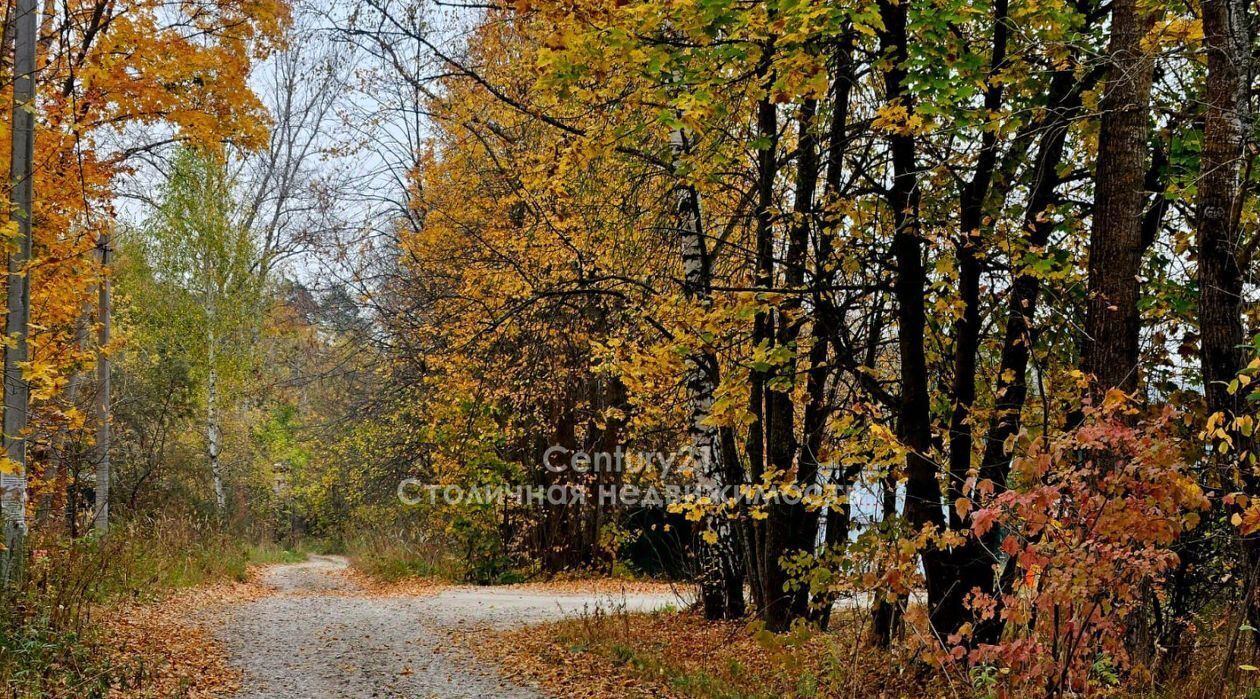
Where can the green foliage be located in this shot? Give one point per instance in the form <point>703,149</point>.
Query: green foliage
<point>196,302</point>
<point>202,254</point>
<point>280,439</point>
<point>39,660</point>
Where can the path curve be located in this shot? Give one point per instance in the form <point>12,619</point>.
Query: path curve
<point>320,635</point>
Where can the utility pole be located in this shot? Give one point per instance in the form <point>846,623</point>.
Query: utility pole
<point>18,303</point>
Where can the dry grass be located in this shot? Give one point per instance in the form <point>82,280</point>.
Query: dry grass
<point>366,585</point>
<point>602,586</point>
<point>680,655</point>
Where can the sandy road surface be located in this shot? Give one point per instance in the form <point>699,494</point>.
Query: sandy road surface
<point>320,636</point>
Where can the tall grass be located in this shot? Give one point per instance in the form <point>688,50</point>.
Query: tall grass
<point>397,558</point>
<point>466,556</point>
<point>48,645</point>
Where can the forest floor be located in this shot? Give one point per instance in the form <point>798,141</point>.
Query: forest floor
<point>324,630</point>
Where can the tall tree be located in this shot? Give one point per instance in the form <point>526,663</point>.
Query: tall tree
<point>721,569</point>
<point>1222,252</point>
<point>914,418</point>
<point>104,481</point>
<point>196,241</point>
<point>1227,40</point>
<point>1112,320</point>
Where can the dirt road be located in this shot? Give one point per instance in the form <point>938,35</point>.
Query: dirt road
<point>321,636</point>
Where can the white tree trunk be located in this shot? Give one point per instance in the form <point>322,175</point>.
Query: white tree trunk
<point>213,445</point>
<point>717,559</point>
<point>103,481</point>
<point>701,371</point>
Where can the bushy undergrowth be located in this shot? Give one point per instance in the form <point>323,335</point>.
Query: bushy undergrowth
<point>396,558</point>
<point>678,654</point>
<point>672,654</point>
<point>393,558</point>
<point>49,643</point>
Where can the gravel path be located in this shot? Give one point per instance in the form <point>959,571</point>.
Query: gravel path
<point>320,637</point>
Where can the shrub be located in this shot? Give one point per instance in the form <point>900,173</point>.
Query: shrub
<point>49,646</point>
<point>1087,531</point>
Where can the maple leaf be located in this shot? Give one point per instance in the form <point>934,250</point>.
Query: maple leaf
<point>982,520</point>
<point>1248,522</point>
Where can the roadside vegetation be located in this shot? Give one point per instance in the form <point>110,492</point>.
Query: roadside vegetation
<point>54,633</point>
<point>676,654</point>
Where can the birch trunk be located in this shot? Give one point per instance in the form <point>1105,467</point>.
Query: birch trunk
<point>103,478</point>
<point>721,575</point>
<point>213,445</point>
<point>212,429</point>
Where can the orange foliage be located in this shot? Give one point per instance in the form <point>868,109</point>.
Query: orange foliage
<point>140,72</point>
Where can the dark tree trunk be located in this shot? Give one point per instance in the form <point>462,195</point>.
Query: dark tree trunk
<point>887,616</point>
<point>826,321</point>
<point>1018,339</point>
<point>914,427</point>
<point>965,567</point>
<point>976,566</point>
<point>789,528</point>
<point>967,328</point>
<point>761,432</point>
<point>1220,273</point>
<point>1112,321</point>
<point>1227,39</point>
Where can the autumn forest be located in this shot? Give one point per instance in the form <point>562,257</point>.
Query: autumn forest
<point>630,348</point>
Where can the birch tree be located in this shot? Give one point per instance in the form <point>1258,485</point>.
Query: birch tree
<point>103,384</point>
<point>196,241</point>
<point>721,573</point>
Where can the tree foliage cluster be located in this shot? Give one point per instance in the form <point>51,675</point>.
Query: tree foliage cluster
<point>981,271</point>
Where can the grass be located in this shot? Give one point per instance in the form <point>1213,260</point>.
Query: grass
<point>679,655</point>
<point>267,553</point>
<point>37,660</point>
<point>396,559</point>
<point>49,646</point>
<point>399,564</point>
